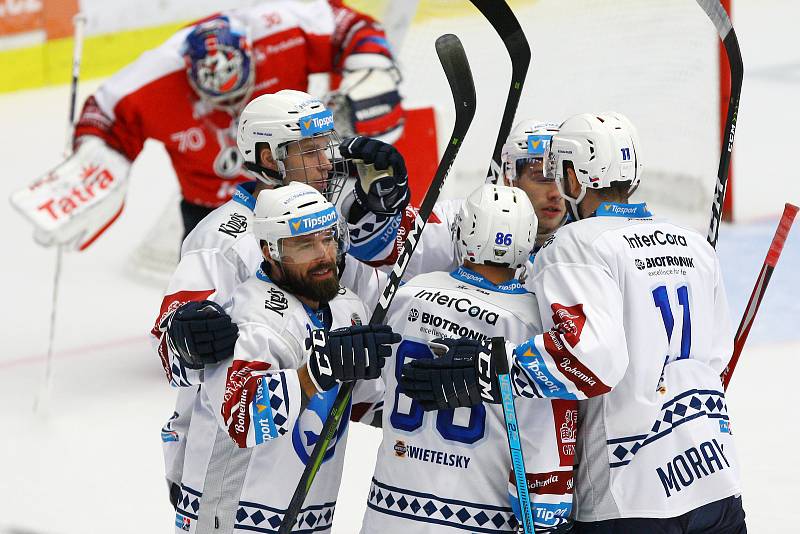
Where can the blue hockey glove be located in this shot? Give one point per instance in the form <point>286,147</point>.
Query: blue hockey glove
<point>463,377</point>
<point>348,354</point>
<point>388,195</point>
<point>201,333</point>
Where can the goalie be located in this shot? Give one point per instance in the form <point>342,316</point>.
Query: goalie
<point>188,94</point>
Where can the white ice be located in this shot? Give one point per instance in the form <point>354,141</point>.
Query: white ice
<point>92,462</point>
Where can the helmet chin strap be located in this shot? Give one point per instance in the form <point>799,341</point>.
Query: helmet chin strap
<point>572,203</point>
<point>265,174</point>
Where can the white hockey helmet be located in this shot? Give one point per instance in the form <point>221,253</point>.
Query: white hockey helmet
<point>292,117</point>
<point>294,210</point>
<point>496,225</point>
<point>602,148</point>
<point>526,143</point>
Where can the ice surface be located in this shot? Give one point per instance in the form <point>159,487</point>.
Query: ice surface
<point>92,463</point>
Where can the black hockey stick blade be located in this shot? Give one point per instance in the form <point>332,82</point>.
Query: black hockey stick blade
<point>500,16</point>
<point>724,27</point>
<point>459,76</point>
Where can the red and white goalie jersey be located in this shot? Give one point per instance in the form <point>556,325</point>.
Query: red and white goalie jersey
<point>637,324</point>
<point>152,98</point>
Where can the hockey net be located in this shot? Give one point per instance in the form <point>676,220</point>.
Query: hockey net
<point>654,60</point>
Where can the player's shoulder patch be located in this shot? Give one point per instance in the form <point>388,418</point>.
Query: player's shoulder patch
<point>234,224</point>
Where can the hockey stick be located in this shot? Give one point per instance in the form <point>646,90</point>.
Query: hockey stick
<point>79,21</point>
<point>724,27</point>
<point>507,26</point>
<point>775,248</point>
<point>512,431</point>
<point>459,76</point>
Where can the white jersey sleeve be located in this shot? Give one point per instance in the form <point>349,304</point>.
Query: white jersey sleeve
<point>378,240</point>
<point>216,257</point>
<point>636,323</point>
<point>258,393</point>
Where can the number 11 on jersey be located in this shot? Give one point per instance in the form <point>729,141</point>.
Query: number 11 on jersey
<point>661,300</point>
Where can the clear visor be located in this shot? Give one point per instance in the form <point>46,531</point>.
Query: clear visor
<point>551,166</point>
<point>316,161</point>
<point>320,247</point>
<point>528,169</point>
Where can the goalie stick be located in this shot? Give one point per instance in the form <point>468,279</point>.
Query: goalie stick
<point>507,26</point>
<point>459,76</point>
<point>79,22</point>
<point>775,248</point>
<point>500,364</point>
<point>724,27</point>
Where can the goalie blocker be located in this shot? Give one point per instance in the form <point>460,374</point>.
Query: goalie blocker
<point>75,202</point>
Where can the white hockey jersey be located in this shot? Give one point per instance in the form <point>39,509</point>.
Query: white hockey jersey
<point>450,471</point>
<point>637,324</point>
<point>249,437</point>
<point>216,257</point>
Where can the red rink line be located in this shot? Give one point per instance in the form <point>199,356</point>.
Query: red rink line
<point>76,351</point>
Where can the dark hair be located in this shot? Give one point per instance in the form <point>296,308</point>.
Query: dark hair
<point>616,192</point>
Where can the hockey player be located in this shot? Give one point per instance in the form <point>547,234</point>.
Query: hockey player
<point>300,336</point>
<point>522,159</point>
<point>425,460</point>
<point>188,93</point>
<point>192,329</point>
<point>637,328</point>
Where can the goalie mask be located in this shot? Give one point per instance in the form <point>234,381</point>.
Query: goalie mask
<point>602,148</point>
<point>219,62</point>
<point>496,225</point>
<point>299,132</point>
<point>525,146</point>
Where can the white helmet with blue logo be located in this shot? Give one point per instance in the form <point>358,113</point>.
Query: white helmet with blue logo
<point>496,225</point>
<point>602,148</point>
<point>288,118</point>
<point>295,210</point>
<point>526,143</point>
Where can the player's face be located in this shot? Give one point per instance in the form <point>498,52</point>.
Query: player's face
<point>309,265</point>
<point>308,161</point>
<point>547,202</point>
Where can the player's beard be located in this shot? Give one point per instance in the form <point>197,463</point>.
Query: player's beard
<point>303,285</point>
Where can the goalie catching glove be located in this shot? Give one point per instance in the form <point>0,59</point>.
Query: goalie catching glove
<point>463,377</point>
<point>382,193</point>
<point>367,101</point>
<point>348,354</point>
<point>74,203</point>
